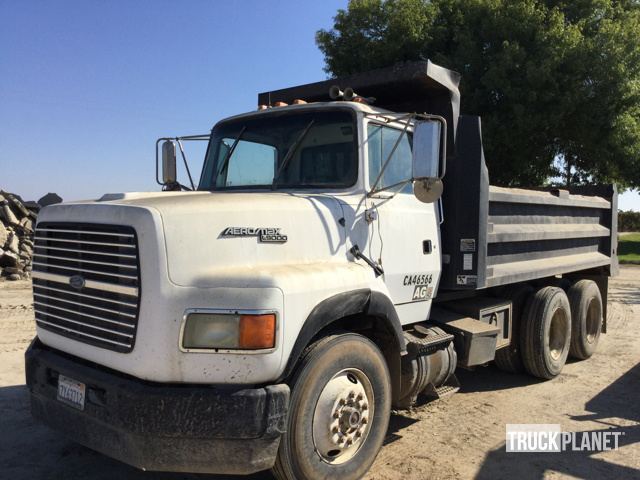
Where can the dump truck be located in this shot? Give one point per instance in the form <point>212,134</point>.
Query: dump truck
<point>342,254</point>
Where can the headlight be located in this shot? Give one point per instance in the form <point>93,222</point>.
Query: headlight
<point>232,331</point>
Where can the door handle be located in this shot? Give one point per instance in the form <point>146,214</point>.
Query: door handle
<point>427,247</point>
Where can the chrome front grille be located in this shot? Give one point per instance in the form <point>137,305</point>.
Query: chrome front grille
<point>86,283</point>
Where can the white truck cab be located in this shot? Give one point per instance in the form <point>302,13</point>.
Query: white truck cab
<point>272,316</point>
<point>212,251</point>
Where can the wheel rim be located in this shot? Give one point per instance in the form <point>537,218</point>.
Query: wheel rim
<point>341,419</point>
<point>592,321</point>
<point>558,334</point>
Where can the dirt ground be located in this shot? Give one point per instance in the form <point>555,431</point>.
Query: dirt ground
<point>458,437</point>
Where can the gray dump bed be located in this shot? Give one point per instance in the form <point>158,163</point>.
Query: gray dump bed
<point>495,236</point>
<point>532,234</point>
<point>490,235</point>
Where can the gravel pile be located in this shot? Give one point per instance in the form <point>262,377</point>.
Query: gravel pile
<point>17,224</point>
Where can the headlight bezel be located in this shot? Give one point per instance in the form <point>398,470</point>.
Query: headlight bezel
<point>230,312</point>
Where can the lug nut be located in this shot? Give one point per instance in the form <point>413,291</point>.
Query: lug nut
<point>364,406</point>
<point>358,434</point>
<point>352,394</point>
<point>335,430</point>
<point>359,397</point>
<point>364,421</point>
<point>340,440</point>
<point>342,401</point>
<point>349,442</point>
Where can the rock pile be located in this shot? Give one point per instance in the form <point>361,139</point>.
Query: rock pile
<point>17,223</point>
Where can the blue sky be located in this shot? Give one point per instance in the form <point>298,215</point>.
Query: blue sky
<point>86,87</point>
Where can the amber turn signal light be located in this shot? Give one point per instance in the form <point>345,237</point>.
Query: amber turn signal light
<point>257,331</point>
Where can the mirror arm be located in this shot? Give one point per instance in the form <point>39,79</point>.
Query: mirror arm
<point>390,187</point>
<point>198,138</point>
<point>386,163</point>
<point>186,165</point>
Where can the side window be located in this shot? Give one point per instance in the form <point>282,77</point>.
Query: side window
<point>381,140</point>
<point>250,164</point>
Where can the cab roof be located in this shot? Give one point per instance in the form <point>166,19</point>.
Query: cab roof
<point>358,107</point>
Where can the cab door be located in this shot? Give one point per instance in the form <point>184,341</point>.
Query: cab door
<point>404,234</point>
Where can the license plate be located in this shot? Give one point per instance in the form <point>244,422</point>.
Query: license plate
<point>71,392</point>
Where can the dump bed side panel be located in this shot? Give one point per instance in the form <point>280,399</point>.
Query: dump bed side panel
<point>496,236</point>
<point>534,234</point>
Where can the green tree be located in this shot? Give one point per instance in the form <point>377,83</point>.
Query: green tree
<point>557,83</point>
<point>628,221</point>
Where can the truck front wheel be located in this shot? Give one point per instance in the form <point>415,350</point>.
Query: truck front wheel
<point>339,410</point>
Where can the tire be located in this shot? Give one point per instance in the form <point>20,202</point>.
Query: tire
<point>546,332</point>
<point>509,359</point>
<point>586,318</point>
<point>323,387</point>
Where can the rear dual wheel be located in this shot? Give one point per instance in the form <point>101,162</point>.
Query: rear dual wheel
<point>586,315</point>
<point>339,410</point>
<point>546,332</point>
<point>553,325</point>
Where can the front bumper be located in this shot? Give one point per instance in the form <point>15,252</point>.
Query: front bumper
<point>161,427</point>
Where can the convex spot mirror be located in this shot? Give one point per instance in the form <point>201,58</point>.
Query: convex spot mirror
<point>169,175</point>
<point>428,162</point>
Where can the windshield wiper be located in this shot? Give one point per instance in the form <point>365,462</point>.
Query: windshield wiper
<point>290,153</point>
<point>225,161</point>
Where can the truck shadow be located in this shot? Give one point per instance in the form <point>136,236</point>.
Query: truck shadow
<point>490,378</point>
<point>614,406</point>
<point>397,422</point>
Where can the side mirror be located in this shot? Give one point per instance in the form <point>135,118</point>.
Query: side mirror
<point>169,175</point>
<point>428,162</point>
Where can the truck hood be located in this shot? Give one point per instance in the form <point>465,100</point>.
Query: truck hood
<point>213,238</point>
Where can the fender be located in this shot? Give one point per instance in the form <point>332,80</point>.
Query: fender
<point>363,301</point>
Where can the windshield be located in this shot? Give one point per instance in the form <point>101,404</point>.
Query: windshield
<point>304,149</point>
